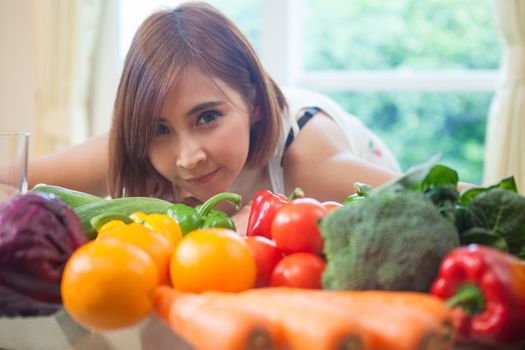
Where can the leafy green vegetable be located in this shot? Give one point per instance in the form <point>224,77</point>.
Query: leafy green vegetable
<point>493,215</point>
<point>445,198</point>
<point>483,236</point>
<point>412,179</point>
<point>469,194</point>
<point>439,175</point>
<point>500,213</point>
<point>438,183</point>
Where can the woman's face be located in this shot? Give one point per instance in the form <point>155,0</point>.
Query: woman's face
<point>203,136</point>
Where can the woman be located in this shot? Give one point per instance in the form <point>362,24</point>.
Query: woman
<point>196,114</point>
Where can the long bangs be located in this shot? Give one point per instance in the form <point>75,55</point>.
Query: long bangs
<point>153,65</point>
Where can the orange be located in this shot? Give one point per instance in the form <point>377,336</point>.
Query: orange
<point>212,259</point>
<point>108,285</point>
<point>153,243</point>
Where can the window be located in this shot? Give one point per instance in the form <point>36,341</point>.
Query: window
<point>401,34</point>
<point>421,74</point>
<point>245,14</point>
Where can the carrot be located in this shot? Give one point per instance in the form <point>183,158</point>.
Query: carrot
<point>304,327</point>
<point>431,305</point>
<point>427,310</point>
<point>391,325</point>
<point>210,323</point>
<point>306,319</point>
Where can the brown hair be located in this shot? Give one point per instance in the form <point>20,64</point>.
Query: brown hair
<point>167,43</point>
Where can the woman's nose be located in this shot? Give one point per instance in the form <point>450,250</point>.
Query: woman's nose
<point>190,154</point>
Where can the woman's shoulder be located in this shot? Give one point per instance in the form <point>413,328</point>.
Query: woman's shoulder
<point>336,128</point>
<point>329,113</point>
<point>299,99</point>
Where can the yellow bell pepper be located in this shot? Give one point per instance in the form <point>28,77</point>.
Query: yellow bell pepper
<point>160,223</point>
<point>110,225</point>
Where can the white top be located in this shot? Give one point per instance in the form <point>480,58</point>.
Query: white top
<point>364,143</point>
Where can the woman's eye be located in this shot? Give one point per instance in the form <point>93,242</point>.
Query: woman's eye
<point>162,129</point>
<point>208,117</point>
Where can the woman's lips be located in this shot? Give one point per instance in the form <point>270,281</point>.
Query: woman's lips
<point>203,179</point>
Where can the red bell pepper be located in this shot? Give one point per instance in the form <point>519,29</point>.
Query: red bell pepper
<point>486,288</point>
<point>263,209</point>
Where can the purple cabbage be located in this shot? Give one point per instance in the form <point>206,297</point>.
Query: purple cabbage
<point>38,233</point>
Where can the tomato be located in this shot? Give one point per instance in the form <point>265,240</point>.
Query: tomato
<point>266,255</point>
<point>295,229</point>
<point>331,205</point>
<point>299,270</point>
<point>212,259</point>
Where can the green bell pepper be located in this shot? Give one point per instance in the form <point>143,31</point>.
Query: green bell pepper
<point>204,216</point>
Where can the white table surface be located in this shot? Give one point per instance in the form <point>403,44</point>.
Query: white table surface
<point>59,332</point>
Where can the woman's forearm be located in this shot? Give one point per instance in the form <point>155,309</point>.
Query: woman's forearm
<point>81,167</point>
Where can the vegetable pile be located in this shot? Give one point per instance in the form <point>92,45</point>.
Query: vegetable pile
<point>404,236</point>
<point>414,264</point>
<point>493,216</point>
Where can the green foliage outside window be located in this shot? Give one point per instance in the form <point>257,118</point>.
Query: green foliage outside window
<point>410,35</point>
<point>418,125</point>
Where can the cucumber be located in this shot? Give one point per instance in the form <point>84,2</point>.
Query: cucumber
<point>72,198</point>
<point>122,206</point>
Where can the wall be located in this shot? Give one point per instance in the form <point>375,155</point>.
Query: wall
<point>17,87</point>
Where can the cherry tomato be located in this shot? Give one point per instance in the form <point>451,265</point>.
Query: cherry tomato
<point>299,270</point>
<point>295,226</point>
<point>331,205</point>
<point>266,255</point>
<point>212,259</point>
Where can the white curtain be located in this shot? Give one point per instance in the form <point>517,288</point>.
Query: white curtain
<point>505,138</point>
<point>65,36</point>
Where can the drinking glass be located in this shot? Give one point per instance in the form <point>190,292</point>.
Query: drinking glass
<point>13,163</point>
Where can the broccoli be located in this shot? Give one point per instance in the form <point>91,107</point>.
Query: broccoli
<point>388,241</point>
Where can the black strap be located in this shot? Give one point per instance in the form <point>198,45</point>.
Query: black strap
<point>308,114</point>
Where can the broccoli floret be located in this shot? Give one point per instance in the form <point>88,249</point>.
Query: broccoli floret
<point>391,241</point>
